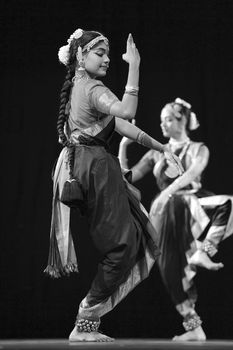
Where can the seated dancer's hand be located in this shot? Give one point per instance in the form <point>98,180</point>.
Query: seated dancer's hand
<point>132,55</point>
<point>175,167</point>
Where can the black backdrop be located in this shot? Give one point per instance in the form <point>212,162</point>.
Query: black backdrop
<point>186,50</point>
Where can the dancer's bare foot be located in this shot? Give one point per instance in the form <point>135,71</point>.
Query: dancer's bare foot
<point>76,336</point>
<point>196,334</point>
<point>200,258</point>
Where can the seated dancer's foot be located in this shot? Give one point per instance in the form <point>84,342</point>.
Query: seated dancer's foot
<point>196,334</point>
<point>76,336</point>
<point>201,258</point>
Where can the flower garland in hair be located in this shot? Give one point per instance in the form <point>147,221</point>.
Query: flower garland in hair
<point>63,53</point>
<point>193,122</point>
<point>183,103</point>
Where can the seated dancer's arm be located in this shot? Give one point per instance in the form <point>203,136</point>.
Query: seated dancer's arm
<point>131,131</point>
<point>196,169</point>
<point>140,169</point>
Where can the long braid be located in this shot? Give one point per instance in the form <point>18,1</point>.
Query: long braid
<point>62,117</point>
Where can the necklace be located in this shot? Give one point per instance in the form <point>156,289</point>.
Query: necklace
<point>81,75</point>
<point>176,143</point>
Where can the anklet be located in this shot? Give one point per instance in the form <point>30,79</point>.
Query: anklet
<point>84,325</point>
<point>209,248</point>
<point>191,322</point>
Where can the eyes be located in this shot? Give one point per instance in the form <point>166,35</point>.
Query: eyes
<point>167,120</point>
<point>101,54</point>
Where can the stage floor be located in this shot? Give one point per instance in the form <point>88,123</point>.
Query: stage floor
<point>157,344</point>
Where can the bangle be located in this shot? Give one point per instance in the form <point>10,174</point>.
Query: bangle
<point>131,90</point>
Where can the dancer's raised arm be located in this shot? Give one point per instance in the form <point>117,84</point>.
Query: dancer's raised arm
<point>126,108</point>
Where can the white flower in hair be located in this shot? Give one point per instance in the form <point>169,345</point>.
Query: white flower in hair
<point>193,122</point>
<point>63,54</point>
<point>76,35</point>
<point>183,102</point>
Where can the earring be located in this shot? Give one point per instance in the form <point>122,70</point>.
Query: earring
<point>80,59</point>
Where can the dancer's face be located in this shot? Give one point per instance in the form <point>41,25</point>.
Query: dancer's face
<point>96,61</point>
<point>170,125</point>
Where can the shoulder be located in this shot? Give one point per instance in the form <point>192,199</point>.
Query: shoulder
<point>93,83</point>
<point>198,149</point>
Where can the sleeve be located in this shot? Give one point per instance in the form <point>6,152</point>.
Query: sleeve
<point>100,97</point>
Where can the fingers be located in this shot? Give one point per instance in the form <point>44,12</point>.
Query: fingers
<point>130,42</point>
<point>130,38</point>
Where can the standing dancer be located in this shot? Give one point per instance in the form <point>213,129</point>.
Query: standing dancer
<point>190,222</point>
<point>89,177</point>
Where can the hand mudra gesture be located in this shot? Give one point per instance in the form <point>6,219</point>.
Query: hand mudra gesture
<point>132,55</point>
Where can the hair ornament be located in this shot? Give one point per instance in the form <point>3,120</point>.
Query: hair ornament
<point>76,35</point>
<point>80,58</point>
<point>94,41</point>
<point>183,103</point>
<point>193,122</point>
<point>63,54</point>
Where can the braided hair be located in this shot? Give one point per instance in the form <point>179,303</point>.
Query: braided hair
<point>67,85</point>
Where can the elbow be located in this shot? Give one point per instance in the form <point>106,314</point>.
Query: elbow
<point>128,115</point>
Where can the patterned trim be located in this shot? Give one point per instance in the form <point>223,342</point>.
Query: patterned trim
<point>191,322</point>
<point>85,325</point>
<point>209,248</point>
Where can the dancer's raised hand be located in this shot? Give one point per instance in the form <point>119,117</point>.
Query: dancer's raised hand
<point>131,55</point>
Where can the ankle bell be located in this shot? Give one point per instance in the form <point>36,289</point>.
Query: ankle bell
<point>85,325</point>
<point>191,322</point>
<point>209,248</point>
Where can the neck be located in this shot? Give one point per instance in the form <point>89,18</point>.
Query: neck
<point>179,142</point>
<point>179,139</point>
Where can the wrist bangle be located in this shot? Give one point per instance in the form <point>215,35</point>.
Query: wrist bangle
<point>131,90</point>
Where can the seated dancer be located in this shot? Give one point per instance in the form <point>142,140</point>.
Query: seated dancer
<point>88,177</point>
<point>190,222</point>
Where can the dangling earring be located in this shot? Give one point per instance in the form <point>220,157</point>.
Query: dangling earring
<point>80,59</point>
